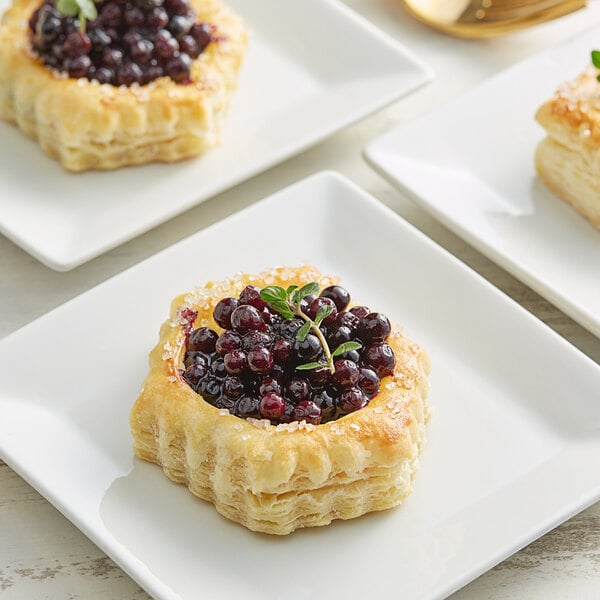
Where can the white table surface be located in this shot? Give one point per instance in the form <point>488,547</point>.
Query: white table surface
<point>43,556</point>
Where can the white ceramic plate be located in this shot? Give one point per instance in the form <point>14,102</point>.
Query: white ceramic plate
<point>312,68</point>
<point>513,446</point>
<point>471,164</point>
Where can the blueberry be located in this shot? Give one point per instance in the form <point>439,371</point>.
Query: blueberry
<point>256,339</point>
<point>229,340</point>
<point>77,44</point>
<point>251,295</point>
<point>338,294</point>
<point>218,369</point>
<point>78,67</point>
<point>178,69</point>
<point>103,75</point>
<point>380,357</point>
<point>289,328</point>
<point>368,381</point>
<point>134,17</point>
<point>111,15</point>
<point>141,51</point>
<point>346,373</point>
<point>374,327</point>
<point>165,44</point>
<point>202,34</point>
<point>347,319</point>
<point>157,18</point>
<point>179,25</point>
<point>225,402</point>
<point>318,377</point>
<point>309,349</point>
<point>112,57</point>
<point>99,38</point>
<point>320,304</point>
<point>233,387</point>
<point>246,318</point>
<point>297,389</point>
<point>351,399</point>
<point>177,7</point>
<point>326,403</point>
<point>129,73</point>
<point>360,311</point>
<point>247,406</point>
<point>260,360</point>
<point>50,28</point>
<point>210,388</point>
<point>192,357</point>
<point>194,373</point>
<point>268,385</point>
<point>202,339</point>
<point>188,45</point>
<point>307,411</point>
<point>272,406</point>
<point>339,336</point>
<point>282,350</point>
<point>236,362</point>
<point>223,310</point>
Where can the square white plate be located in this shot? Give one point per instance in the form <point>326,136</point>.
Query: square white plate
<point>471,164</point>
<point>312,68</point>
<point>513,444</point>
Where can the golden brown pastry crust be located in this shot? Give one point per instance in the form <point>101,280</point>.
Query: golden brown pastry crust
<point>87,125</point>
<point>568,159</point>
<point>275,479</point>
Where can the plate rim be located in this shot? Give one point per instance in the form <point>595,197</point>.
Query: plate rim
<point>62,259</point>
<point>377,148</point>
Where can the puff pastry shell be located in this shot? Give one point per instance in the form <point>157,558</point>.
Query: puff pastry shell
<point>87,125</point>
<point>568,159</point>
<point>275,479</point>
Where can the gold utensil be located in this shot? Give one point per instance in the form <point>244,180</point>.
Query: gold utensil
<point>487,18</point>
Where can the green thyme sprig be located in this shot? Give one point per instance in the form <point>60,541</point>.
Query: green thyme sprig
<point>287,303</point>
<point>84,10</point>
<point>596,60</point>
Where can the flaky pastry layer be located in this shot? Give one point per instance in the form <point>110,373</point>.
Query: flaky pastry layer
<point>275,479</point>
<point>568,159</point>
<point>88,125</point>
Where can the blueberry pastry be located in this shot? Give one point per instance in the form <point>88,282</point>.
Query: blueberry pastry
<point>278,400</point>
<point>567,159</point>
<point>119,82</point>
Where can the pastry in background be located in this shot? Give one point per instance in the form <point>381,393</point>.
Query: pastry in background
<point>119,82</point>
<point>568,159</point>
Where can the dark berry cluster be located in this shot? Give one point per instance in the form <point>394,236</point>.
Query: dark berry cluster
<point>252,367</point>
<point>130,41</point>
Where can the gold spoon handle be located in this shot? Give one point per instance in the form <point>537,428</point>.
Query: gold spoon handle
<point>506,11</point>
<point>485,29</point>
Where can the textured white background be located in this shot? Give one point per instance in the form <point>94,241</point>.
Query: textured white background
<point>43,556</point>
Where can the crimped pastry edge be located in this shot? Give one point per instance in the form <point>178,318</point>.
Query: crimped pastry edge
<point>87,125</point>
<point>567,174</point>
<point>275,479</point>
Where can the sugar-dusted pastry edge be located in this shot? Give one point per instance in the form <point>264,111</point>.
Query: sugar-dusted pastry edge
<point>87,125</point>
<point>572,114</point>
<point>275,479</point>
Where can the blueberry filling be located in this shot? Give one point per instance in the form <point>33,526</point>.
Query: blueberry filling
<point>259,366</point>
<point>130,41</point>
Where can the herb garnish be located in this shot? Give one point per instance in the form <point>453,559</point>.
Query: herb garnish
<point>596,60</point>
<point>83,9</point>
<point>287,303</point>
